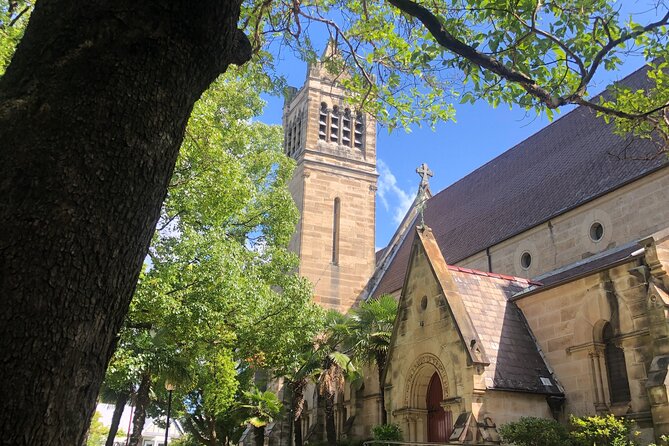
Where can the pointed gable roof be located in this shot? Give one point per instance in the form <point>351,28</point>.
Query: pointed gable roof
<point>491,327</point>
<point>570,162</point>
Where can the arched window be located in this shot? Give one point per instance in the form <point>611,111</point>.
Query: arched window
<point>335,231</point>
<point>619,387</point>
<point>323,121</point>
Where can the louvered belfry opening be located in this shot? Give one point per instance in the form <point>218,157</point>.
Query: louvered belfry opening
<point>323,121</point>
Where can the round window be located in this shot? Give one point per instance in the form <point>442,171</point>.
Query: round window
<point>596,231</point>
<point>525,260</point>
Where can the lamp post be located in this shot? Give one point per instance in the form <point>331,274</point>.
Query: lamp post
<point>169,387</point>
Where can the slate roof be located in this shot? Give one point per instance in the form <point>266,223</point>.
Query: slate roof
<point>515,361</point>
<point>574,160</point>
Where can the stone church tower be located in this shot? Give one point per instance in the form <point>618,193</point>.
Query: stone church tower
<point>334,187</point>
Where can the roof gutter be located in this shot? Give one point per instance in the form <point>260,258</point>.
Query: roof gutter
<point>531,291</point>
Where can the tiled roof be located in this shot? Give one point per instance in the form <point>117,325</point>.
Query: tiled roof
<point>515,361</point>
<point>574,160</point>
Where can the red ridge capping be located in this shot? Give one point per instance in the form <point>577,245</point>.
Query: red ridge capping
<point>493,275</point>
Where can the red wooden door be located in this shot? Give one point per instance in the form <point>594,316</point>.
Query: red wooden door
<point>439,422</point>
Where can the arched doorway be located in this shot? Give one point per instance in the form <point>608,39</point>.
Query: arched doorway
<point>439,421</point>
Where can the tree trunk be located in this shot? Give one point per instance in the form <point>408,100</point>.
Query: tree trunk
<point>140,410</point>
<point>259,435</point>
<point>297,406</point>
<point>119,406</point>
<point>213,438</point>
<point>330,427</point>
<point>298,431</point>
<point>380,365</point>
<point>92,113</point>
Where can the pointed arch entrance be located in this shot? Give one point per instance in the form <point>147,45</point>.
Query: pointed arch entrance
<point>439,421</point>
<point>427,388</point>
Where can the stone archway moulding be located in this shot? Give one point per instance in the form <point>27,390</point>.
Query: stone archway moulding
<point>424,360</point>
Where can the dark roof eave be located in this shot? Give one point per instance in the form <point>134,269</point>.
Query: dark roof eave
<point>598,270</point>
<point>533,392</point>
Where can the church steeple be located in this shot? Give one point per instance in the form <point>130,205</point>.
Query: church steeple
<point>334,187</point>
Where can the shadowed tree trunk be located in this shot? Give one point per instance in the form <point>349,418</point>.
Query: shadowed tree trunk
<point>298,431</point>
<point>259,435</point>
<point>330,427</point>
<point>297,407</point>
<point>119,406</point>
<point>92,113</point>
<point>139,417</point>
<point>380,365</point>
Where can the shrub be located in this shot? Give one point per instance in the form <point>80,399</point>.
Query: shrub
<point>600,431</point>
<point>532,431</point>
<point>390,432</point>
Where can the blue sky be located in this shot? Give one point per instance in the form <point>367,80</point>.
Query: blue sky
<point>452,151</point>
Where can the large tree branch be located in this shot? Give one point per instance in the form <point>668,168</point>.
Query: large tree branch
<point>490,63</point>
<point>452,43</point>
<point>597,60</point>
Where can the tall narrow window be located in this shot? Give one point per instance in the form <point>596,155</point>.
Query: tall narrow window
<point>293,145</point>
<point>619,387</point>
<point>289,140</point>
<point>335,231</point>
<point>323,121</point>
<point>299,132</point>
<point>286,140</point>
<point>334,124</point>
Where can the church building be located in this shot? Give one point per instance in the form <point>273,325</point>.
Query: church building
<point>536,285</point>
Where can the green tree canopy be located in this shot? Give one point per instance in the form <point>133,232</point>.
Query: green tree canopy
<point>410,61</point>
<point>371,329</point>
<point>219,294</point>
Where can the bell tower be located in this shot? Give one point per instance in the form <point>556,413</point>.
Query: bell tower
<point>334,187</point>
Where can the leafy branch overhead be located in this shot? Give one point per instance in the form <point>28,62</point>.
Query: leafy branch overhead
<point>409,61</point>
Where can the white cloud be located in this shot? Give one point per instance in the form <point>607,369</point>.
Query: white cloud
<point>394,199</point>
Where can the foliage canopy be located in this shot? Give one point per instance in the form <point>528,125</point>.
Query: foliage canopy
<point>409,61</point>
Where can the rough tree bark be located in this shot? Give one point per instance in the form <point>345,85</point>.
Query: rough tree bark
<point>92,113</point>
<point>119,407</point>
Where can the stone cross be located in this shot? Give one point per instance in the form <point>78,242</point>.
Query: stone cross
<point>425,174</point>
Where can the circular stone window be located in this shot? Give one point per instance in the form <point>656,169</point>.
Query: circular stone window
<point>525,260</point>
<point>596,231</point>
<point>423,303</point>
